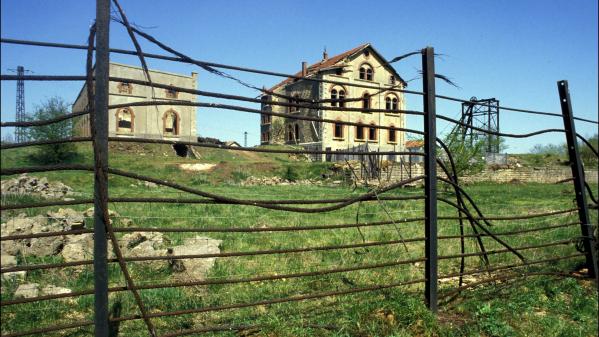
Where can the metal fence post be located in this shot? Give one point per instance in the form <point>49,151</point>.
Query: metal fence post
<point>101,168</point>
<point>430,181</point>
<point>578,175</point>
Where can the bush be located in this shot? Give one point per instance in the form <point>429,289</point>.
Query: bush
<point>290,174</point>
<point>52,153</point>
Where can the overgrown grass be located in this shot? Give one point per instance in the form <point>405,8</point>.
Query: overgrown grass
<point>533,306</point>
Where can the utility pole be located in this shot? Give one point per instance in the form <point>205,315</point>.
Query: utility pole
<point>245,139</point>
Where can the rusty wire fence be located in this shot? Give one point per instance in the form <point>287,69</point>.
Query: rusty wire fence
<point>452,244</point>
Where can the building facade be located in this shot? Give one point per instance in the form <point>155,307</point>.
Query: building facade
<point>362,65</point>
<point>174,122</point>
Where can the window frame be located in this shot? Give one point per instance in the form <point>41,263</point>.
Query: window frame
<point>372,130</point>
<point>360,129</point>
<point>120,130</point>
<point>121,88</point>
<point>341,129</point>
<point>366,72</point>
<point>177,124</point>
<point>392,131</point>
<point>171,93</point>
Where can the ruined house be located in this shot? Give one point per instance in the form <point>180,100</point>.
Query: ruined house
<point>362,65</point>
<point>173,122</point>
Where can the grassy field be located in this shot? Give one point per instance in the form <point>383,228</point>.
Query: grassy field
<point>535,306</point>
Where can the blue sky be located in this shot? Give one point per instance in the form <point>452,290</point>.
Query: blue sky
<point>514,51</point>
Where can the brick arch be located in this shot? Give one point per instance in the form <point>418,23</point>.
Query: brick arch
<point>177,130</point>
<point>121,110</point>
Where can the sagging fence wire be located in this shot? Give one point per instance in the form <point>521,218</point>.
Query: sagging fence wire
<point>465,205</point>
<point>270,73</point>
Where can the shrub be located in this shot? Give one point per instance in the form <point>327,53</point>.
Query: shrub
<point>52,153</point>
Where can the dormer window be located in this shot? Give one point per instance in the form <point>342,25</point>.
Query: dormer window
<point>125,88</point>
<point>366,72</point>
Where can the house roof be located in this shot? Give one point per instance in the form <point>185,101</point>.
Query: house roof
<point>332,62</point>
<point>410,144</point>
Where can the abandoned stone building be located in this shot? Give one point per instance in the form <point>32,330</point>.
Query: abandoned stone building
<point>362,65</point>
<point>173,122</point>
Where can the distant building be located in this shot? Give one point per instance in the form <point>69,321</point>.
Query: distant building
<point>361,65</point>
<point>415,146</point>
<point>173,122</point>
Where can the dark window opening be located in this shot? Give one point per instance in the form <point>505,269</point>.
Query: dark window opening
<point>360,132</point>
<point>372,132</point>
<point>338,130</point>
<point>333,97</point>
<point>392,135</point>
<point>341,98</point>
<point>366,101</point>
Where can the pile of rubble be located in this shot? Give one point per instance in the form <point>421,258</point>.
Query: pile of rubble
<point>77,247</point>
<point>272,181</point>
<point>25,184</point>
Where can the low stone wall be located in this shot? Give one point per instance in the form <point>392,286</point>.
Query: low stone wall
<point>546,175</point>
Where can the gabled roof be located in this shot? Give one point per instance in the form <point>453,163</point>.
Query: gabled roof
<point>333,62</point>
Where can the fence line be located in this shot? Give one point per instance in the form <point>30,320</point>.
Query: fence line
<point>468,212</point>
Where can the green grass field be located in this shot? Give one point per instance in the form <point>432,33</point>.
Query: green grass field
<point>534,306</point>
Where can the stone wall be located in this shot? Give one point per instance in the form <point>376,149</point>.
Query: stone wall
<point>547,175</point>
<point>147,121</point>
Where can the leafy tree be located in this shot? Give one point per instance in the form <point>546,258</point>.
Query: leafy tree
<point>52,153</point>
<point>587,156</point>
<point>468,157</point>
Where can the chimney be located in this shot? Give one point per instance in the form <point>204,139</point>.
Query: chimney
<point>304,68</point>
<point>325,55</point>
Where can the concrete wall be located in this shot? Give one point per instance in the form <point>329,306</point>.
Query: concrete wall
<point>148,122</point>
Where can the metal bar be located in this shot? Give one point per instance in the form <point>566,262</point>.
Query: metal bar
<point>578,175</point>
<point>430,180</point>
<point>100,141</point>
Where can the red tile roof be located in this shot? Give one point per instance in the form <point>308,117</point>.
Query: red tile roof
<point>323,64</point>
<point>410,144</point>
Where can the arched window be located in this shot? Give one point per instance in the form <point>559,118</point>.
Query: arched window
<point>341,98</point>
<point>360,132</point>
<point>125,88</point>
<point>366,101</point>
<point>366,72</point>
<point>334,97</point>
<point>170,122</point>
<point>391,103</point>
<point>392,135</point>
<point>372,132</point>
<point>125,120</point>
<point>338,131</point>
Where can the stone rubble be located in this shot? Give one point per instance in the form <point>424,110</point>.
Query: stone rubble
<point>76,247</point>
<point>25,184</point>
<point>278,181</point>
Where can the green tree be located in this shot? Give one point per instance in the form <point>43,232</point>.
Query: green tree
<point>468,157</point>
<point>52,153</point>
<point>587,156</point>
